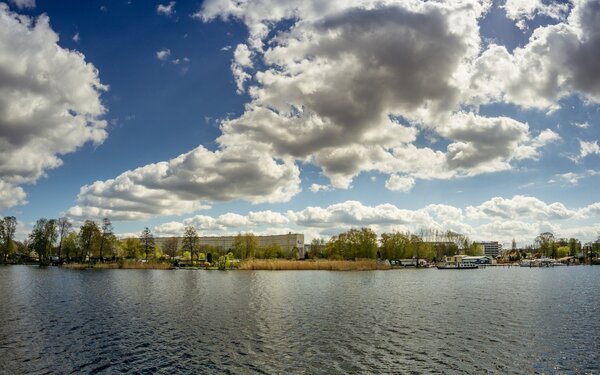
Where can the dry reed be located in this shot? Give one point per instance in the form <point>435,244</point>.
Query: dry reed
<point>321,265</point>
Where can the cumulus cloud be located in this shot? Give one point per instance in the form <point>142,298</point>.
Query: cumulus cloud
<point>163,54</point>
<point>400,183</point>
<point>24,3</point>
<point>588,148</point>
<point>178,185</point>
<point>166,9</point>
<point>11,195</point>
<point>348,86</point>
<point>559,60</point>
<point>315,188</point>
<point>526,10</point>
<point>519,207</point>
<point>488,225</point>
<point>49,102</point>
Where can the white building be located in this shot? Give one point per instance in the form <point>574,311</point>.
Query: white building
<point>288,242</point>
<point>491,248</point>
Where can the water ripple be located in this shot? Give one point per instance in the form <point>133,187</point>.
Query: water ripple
<point>517,321</point>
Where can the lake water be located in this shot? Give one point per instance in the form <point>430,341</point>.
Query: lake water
<point>516,320</point>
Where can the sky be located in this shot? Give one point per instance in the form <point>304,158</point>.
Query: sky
<point>271,116</point>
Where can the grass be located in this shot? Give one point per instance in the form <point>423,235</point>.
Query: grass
<point>129,265</point>
<point>321,265</point>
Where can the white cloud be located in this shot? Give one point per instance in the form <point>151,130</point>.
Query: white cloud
<point>76,38</point>
<point>24,3</point>
<point>163,54</point>
<point>588,148</point>
<point>166,9</point>
<point>49,102</point>
<point>400,183</point>
<point>315,188</point>
<point>349,85</point>
<point>521,223</point>
<point>525,10</point>
<point>10,195</point>
<point>572,178</point>
<point>559,60</point>
<point>178,185</point>
<point>519,207</point>
<point>582,125</point>
<point>242,59</point>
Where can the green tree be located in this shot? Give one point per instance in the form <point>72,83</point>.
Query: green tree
<point>545,244</point>
<point>225,261</point>
<point>574,246</point>
<point>69,245</point>
<point>130,248</point>
<point>353,244</point>
<point>245,245</point>
<point>394,245</point>
<point>562,251</point>
<point>64,227</point>
<point>190,241</point>
<point>474,249</point>
<point>89,234</point>
<point>272,251</point>
<point>8,226</point>
<point>147,242</point>
<point>317,248</point>
<point>42,239</point>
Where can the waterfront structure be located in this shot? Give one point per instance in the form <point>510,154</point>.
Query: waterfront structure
<point>491,248</point>
<point>484,259</point>
<point>289,242</point>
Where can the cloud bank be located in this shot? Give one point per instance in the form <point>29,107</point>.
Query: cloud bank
<point>49,102</point>
<point>498,219</point>
<point>349,86</point>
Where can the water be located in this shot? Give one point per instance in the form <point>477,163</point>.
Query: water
<point>516,320</point>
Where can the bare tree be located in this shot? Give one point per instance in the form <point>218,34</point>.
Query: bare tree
<point>190,241</point>
<point>8,226</point>
<point>64,226</point>
<point>107,232</point>
<point>171,246</point>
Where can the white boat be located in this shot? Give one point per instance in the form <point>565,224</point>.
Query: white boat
<point>457,266</point>
<point>456,262</point>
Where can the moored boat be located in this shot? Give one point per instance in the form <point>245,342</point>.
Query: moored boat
<point>457,266</point>
<point>457,262</point>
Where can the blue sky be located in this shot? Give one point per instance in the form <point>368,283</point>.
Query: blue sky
<point>268,116</point>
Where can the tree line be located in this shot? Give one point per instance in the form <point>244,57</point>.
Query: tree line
<point>363,243</point>
<point>55,240</point>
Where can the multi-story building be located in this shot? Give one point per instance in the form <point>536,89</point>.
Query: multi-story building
<point>288,242</point>
<point>491,248</point>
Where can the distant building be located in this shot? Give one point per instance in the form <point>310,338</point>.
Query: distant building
<point>491,248</point>
<point>288,242</point>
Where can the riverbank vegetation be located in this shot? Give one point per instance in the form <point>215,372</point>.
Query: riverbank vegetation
<point>94,245</point>
<point>320,265</point>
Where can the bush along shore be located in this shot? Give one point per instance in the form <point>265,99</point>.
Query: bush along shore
<point>126,265</point>
<point>249,264</point>
<point>321,265</point>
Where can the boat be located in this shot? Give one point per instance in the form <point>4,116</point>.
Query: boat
<point>456,262</point>
<point>457,266</point>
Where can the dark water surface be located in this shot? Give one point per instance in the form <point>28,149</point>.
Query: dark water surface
<point>516,320</point>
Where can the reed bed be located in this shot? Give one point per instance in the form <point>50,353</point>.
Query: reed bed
<point>320,265</point>
<point>123,265</point>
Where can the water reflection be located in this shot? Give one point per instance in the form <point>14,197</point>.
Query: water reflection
<point>426,321</point>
